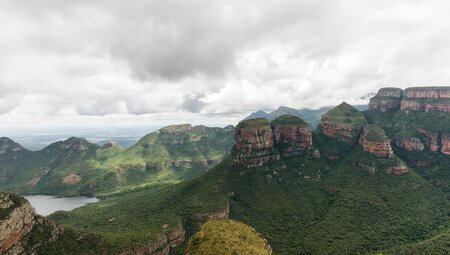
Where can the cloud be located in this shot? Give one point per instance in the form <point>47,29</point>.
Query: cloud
<point>106,57</point>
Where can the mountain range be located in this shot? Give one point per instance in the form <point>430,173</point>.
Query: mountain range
<point>363,182</point>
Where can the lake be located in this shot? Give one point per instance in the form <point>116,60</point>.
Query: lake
<point>46,205</point>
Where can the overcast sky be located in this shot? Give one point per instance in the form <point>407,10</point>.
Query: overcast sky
<point>114,62</point>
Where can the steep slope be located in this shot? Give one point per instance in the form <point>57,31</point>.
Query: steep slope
<point>76,166</point>
<point>22,231</point>
<point>227,237</point>
<point>301,203</point>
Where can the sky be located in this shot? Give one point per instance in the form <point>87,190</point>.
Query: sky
<point>156,62</point>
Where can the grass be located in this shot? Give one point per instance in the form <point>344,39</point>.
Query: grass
<point>254,123</point>
<point>223,237</point>
<point>345,114</point>
<point>376,134</point>
<point>289,120</point>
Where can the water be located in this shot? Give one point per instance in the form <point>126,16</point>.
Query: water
<point>46,205</point>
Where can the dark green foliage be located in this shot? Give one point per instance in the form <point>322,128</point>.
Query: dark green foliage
<point>289,120</point>
<point>254,123</point>
<point>346,114</point>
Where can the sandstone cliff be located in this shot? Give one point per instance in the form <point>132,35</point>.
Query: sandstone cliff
<point>291,135</point>
<point>18,220</point>
<point>416,99</point>
<point>387,99</point>
<point>375,141</point>
<point>344,122</point>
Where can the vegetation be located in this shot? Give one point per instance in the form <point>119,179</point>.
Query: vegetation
<point>289,120</point>
<point>227,237</point>
<point>345,114</point>
<point>376,134</point>
<point>254,123</point>
<point>167,156</point>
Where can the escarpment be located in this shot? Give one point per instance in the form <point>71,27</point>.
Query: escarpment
<point>257,141</point>
<point>344,123</point>
<point>386,100</point>
<point>416,99</point>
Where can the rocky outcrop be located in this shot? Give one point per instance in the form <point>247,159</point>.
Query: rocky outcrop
<point>253,143</point>
<point>344,122</point>
<point>175,129</point>
<point>375,141</point>
<point>9,146</point>
<point>432,141</point>
<point>18,220</point>
<point>409,143</point>
<point>386,100</point>
<point>445,144</point>
<point>202,218</point>
<point>416,99</point>
<point>110,144</point>
<point>291,135</point>
<point>172,238</point>
<point>71,179</point>
<point>348,133</point>
<point>397,170</point>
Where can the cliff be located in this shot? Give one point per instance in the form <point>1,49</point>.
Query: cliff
<point>416,99</point>
<point>253,143</point>
<point>375,141</point>
<point>18,220</point>
<point>291,135</point>
<point>387,99</point>
<point>257,141</point>
<point>344,122</point>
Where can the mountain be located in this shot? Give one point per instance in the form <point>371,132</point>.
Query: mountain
<point>345,189</point>
<point>311,116</point>
<point>76,166</point>
<point>367,182</point>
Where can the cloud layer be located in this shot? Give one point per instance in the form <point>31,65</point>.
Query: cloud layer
<point>143,57</point>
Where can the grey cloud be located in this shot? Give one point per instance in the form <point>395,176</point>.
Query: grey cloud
<point>192,103</point>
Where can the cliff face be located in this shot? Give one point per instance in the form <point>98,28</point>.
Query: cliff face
<point>387,99</point>
<point>343,122</point>
<point>409,143</point>
<point>348,133</point>
<point>291,135</point>
<point>418,99</point>
<point>445,144</point>
<point>17,221</point>
<point>375,141</point>
<point>257,142</point>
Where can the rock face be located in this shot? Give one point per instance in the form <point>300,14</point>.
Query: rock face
<point>432,142</point>
<point>409,143</point>
<point>253,143</point>
<point>17,221</point>
<point>343,122</point>
<point>348,133</point>
<point>257,142</point>
<point>416,99</point>
<point>375,141</point>
<point>291,135</point>
<point>172,238</point>
<point>386,100</point>
<point>445,144</point>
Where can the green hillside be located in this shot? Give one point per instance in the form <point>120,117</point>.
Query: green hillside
<point>346,114</point>
<point>76,166</point>
<point>224,237</point>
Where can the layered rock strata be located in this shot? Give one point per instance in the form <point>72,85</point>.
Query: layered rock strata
<point>416,99</point>
<point>375,141</point>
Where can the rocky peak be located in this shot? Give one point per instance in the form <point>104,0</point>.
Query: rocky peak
<point>110,144</point>
<point>375,141</point>
<point>7,145</point>
<point>291,134</point>
<point>427,92</point>
<point>75,144</point>
<point>343,122</point>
